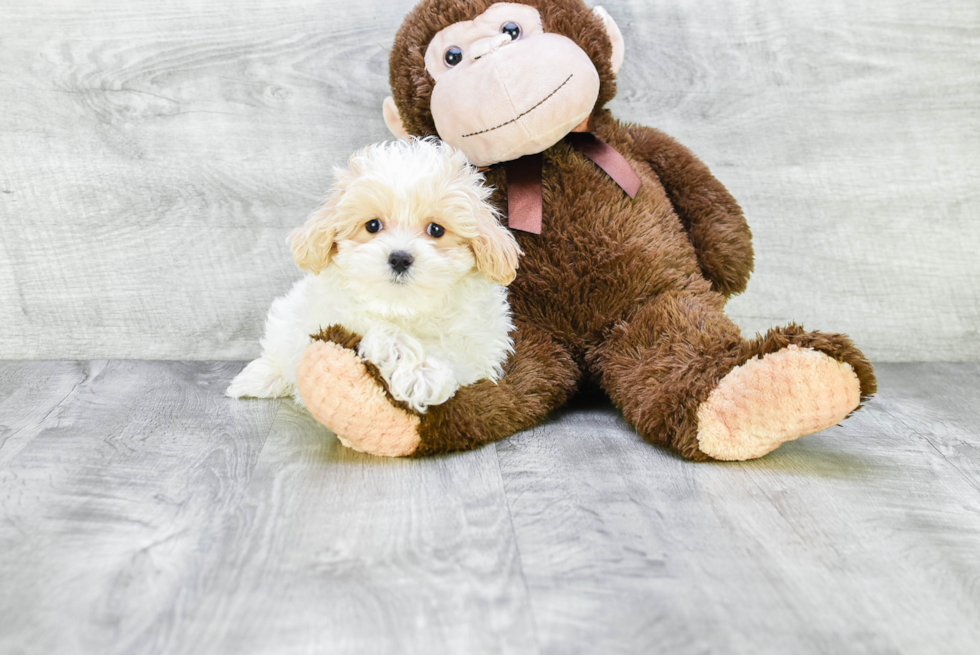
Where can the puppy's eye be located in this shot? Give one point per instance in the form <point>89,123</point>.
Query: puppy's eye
<point>454,55</point>
<point>435,230</point>
<point>512,29</point>
<point>372,226</point>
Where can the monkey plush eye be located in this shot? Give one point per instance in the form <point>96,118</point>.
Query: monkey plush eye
<point>454,55</point>
<point>435,230</point>
<point>373,225</point>
<point>511,29</point>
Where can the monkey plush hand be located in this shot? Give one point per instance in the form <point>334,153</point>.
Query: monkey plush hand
<point>631,249</point>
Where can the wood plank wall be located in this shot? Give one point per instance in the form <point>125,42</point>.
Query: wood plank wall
<point>153,156</point>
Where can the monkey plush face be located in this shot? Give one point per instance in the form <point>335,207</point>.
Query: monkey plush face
<point>506,82</point>
<point>504,87</point>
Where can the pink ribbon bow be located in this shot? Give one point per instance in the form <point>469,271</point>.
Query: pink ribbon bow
<point>525,204</point>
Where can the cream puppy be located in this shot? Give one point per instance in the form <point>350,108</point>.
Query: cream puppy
<point>407,253</point>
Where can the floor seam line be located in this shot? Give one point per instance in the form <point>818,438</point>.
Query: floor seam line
<point>517,549</point>
<point>39,424</point>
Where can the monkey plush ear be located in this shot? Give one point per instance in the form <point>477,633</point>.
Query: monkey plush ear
<point>393,119</point>
<point>612,29</point>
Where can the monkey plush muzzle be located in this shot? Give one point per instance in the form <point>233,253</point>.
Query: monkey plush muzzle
<point>519,99</point>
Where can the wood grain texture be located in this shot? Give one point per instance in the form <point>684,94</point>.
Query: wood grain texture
<point>149,514</point>
<point>862,539</point>
<point>111,515</point>
<point>340,552</point>
<point>29,390</point>
<point>156,154</point>
<point>141,518</point>
<point>849,135</point>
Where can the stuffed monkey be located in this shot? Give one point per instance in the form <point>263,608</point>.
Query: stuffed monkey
<point>631,249</point>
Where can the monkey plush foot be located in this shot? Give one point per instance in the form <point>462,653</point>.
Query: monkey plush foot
<point>341,392</point>
<point>774,399</point>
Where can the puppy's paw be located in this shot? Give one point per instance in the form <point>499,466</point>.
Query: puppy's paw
<point>430,383</point>
<point>262,378</point>
<point>389,349</point>
<point>412,378</point>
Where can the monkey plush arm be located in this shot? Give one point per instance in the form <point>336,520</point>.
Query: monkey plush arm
<point>712,217</point>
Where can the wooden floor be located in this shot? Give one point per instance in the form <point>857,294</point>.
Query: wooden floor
<point>143,512</point>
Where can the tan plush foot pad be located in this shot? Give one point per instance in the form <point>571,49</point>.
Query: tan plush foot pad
<point>342,395</point>
<point>769,401</point>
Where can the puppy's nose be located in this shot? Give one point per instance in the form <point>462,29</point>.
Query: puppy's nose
<point>400,261</point>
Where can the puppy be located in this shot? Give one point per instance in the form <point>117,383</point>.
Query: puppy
<point>407,253</point>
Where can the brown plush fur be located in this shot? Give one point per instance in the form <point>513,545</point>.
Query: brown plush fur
<point>625,293</point>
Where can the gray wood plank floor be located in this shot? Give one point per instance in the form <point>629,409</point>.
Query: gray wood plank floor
<point>143,512</point>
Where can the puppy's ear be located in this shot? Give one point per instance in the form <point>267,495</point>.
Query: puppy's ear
<point>495,249</point>
<point>312,244</point>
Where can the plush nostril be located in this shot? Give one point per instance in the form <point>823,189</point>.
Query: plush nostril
<point>400,261</point>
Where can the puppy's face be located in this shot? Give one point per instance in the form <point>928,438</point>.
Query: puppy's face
<point>405,257</point>
<point>406,222</point>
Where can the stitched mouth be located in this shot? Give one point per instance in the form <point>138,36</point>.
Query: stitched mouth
<point>520,116</point>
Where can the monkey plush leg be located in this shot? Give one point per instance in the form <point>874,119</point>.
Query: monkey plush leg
<point>685,378</point>
<point>348,396</point>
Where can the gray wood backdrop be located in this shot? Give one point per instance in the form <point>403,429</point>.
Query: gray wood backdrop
<point>154,154</point>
